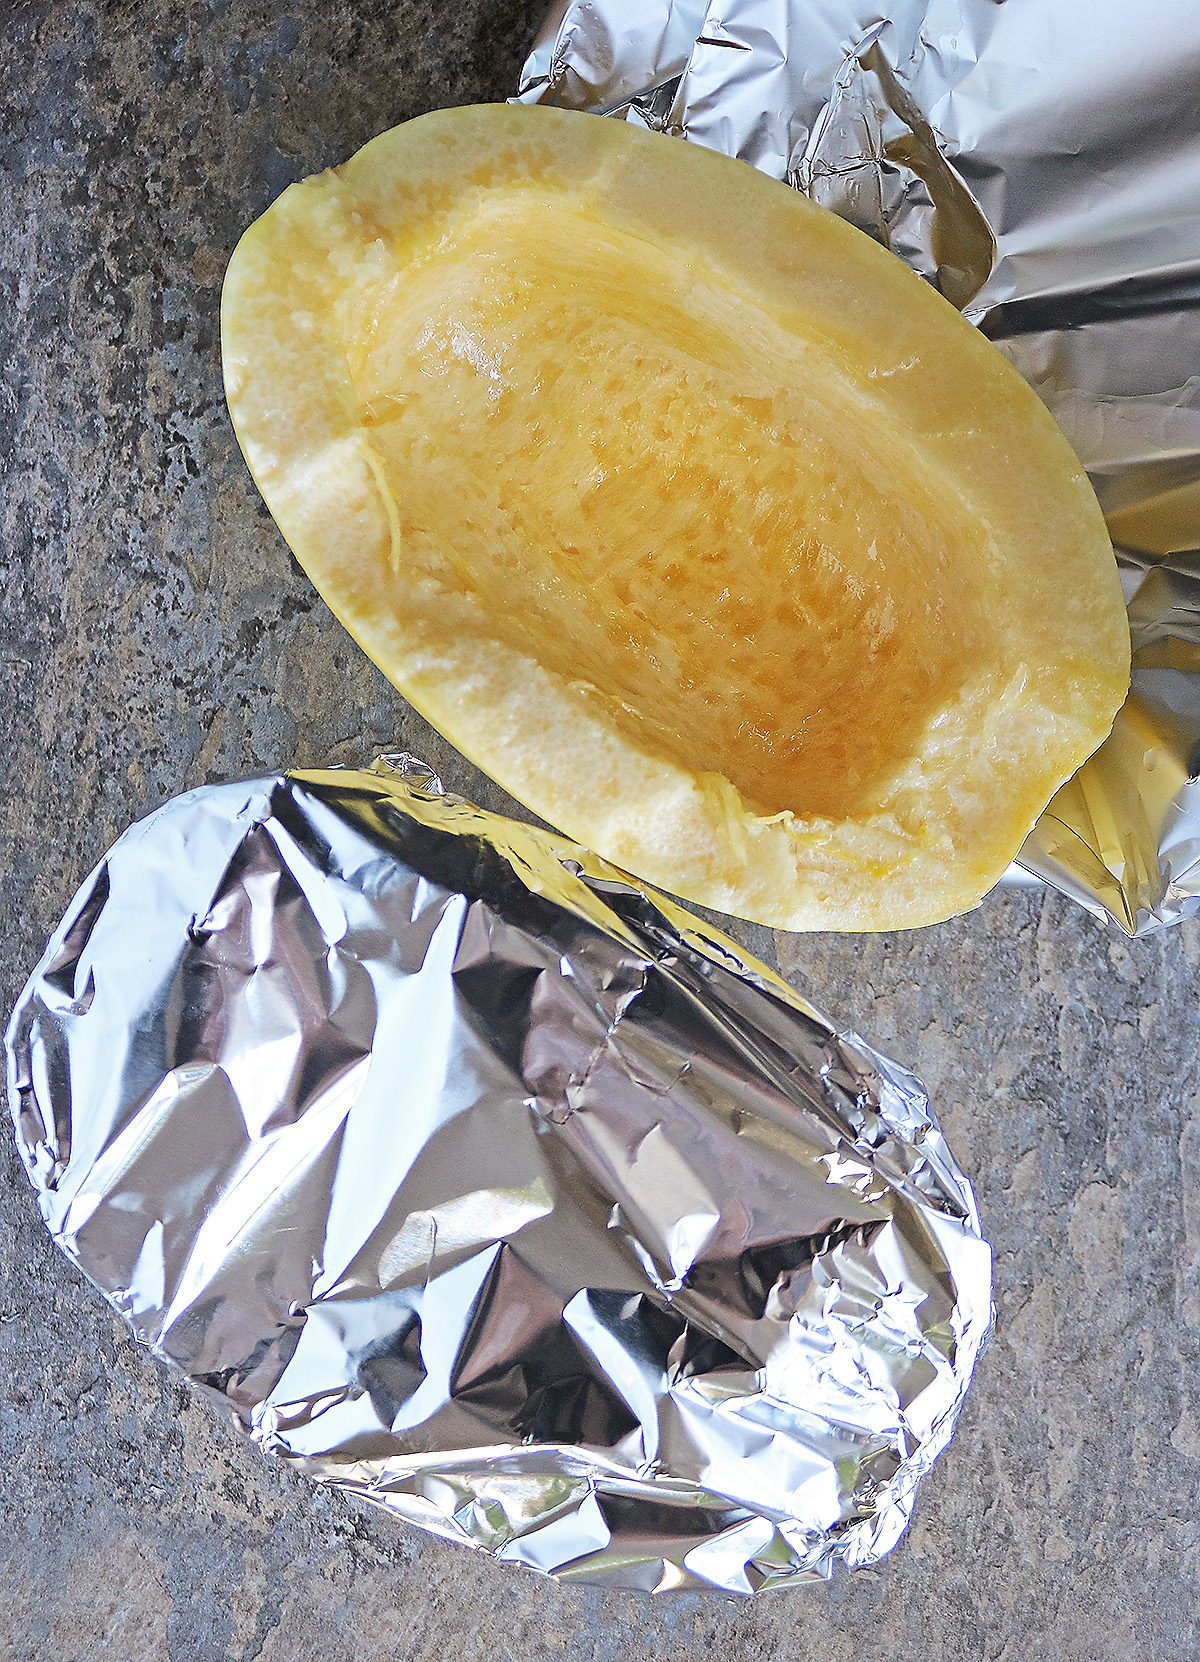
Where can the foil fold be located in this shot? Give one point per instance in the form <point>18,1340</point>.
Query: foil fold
<point>477,1180</point>
<point>1040,165</point>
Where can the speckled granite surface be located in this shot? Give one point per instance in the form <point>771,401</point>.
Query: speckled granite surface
<point>155,633</point>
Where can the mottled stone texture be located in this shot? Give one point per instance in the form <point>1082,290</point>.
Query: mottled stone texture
<point>155,633</point>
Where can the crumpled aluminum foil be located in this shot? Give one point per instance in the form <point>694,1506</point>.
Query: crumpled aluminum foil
<point>1039,161</point>
<point>494,1189</point>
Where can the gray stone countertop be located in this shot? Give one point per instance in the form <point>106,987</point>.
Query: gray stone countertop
<point>155,633</point>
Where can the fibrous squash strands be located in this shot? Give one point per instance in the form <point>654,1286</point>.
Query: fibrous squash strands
<point>685,510</point>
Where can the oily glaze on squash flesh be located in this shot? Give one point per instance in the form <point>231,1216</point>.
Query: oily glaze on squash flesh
<point>686,511</point>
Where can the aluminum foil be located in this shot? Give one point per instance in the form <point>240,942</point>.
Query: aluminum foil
<point>1039,162</point>
<point>492,1188</point>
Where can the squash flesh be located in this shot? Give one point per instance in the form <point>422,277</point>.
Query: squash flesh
<point>655,519</point>
<point>659,545</point>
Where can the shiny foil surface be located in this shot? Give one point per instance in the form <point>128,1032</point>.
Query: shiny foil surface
<point>1039,162</point>
<point>477,1181</point>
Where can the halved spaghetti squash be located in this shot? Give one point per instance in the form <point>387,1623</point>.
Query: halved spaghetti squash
<point>686,511</point>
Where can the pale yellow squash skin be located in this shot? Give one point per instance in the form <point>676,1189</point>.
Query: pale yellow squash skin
<point>686,511</point>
